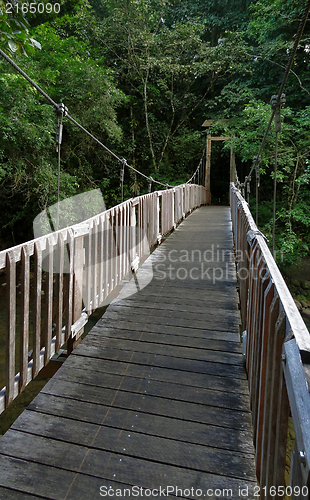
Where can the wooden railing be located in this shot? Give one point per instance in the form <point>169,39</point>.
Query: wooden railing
<point>277,350</point>
<point>48,279</point>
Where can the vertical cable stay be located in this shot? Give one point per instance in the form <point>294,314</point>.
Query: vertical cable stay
<point>61,111</point>
<point>274,194</point>
<point>122,172</point>
<point>276,106</point>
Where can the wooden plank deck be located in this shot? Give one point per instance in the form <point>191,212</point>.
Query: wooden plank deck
<point>155,397</point>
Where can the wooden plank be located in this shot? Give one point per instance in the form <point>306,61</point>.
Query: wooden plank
<point>135,444</point>
<point>192,379</point>
<point>152,405</point>
<point>172,293</point>
<point>180,392</point>
<point>135,470</point>
<point>172,339</point>
<point>178,307</point>
<point>220,336</point>
<point>161,426</point>
<point>26,476</point>
<point>9,494</point>
<point>170,319</point>
<point>220,357</point>
<point>161,360</point>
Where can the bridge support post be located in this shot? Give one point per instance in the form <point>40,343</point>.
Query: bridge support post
<point>208,167</point>
<point>232,169</point>
<point>232,165</point>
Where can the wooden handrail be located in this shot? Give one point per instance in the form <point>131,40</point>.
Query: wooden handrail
<point>76,268</point>
<point>277,341</point>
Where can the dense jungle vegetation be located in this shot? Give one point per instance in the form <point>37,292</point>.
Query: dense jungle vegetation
<point>143,75</point>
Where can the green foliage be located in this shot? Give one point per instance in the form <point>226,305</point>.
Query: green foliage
<point>143,75</point>
<point>14,28</point>
<point>28,159</point>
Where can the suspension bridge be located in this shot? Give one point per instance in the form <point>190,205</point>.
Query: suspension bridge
<point>155,400</point>
<point>160,399</point>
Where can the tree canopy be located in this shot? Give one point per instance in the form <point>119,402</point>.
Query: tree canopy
<point>142,76</point>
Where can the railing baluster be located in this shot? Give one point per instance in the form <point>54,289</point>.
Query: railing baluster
<point>121,241</point>
<point>101,259</point>
<point>37,309</point>
<point>59,291</point>
<point>107,236</point>
<point>95,267</point>
<point>280,439</point>
<point>258,367</point>
<point>113,241</point>
<point>113,250</point>
<point>25,295</point>
<point>69,284</point>
<point>48,302</point>
<point>275,386</point>
<point>77,296</point>
<point>88,270</point>
<point>11,326</point>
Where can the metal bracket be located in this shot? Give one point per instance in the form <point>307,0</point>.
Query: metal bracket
<point>251,236</point>
<point>276,106</point>
<point>135,264</point>
<point>61,109</point>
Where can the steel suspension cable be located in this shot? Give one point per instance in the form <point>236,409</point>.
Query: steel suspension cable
<point>58,107</point>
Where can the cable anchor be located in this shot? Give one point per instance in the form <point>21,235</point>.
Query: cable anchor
<point>60,111</point>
